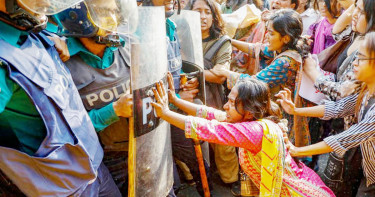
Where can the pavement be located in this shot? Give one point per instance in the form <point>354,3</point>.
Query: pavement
<point>219,189</point>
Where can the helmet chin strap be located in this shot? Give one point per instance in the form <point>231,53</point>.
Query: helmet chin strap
<point>21,19</point>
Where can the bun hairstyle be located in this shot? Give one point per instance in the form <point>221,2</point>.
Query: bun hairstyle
<point>288,22</point>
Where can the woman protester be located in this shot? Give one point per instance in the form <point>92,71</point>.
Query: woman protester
<point>345,84</point>
<point>321,32</point>
<point>286,48</point>
<point>217,49</point>
<point>250,122</point>
<point>361,105</point>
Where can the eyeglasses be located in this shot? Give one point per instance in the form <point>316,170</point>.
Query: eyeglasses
<point>357,59</point>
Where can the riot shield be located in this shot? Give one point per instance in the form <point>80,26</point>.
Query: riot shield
<point>150,151</point>
<point>190,37</point>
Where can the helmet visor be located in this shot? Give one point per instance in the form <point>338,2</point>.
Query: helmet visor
<point>48,7</point>
<point>116,16</point>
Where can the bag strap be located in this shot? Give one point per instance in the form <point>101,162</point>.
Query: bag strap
<point>212,51</point>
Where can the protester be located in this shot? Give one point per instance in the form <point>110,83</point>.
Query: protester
<point>283,4</point>
<point>321,32</point>
<point>345,84</point>
<point>217,50</point>
<point>250,122</point>
<point>48,146</point>
<point>284,36</point>
<point>309,15</point>
<point>360,104</point>
<point>246,64</point>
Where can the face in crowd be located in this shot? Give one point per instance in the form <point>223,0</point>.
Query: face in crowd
<point>364,68</point>
<point>282,4</point>
<point>205,14</point>
<point>359,23</point>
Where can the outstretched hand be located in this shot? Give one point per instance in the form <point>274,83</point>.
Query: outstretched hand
<point>161,104</point>
<point>171,91</point>
<point>285,100</point>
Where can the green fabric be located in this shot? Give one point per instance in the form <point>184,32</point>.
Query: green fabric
<point>103,117</point>
<point>171,29</point>
<point>52,27</point>
<point>76,48</point>
<point>18,115</point>
<point>11,35</point>
<point>225,9</point>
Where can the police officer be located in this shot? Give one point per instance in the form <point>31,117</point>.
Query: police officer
<point>99,64</point>
<point>48,144</point>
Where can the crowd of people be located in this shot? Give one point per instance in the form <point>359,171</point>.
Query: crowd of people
<point>295,83</point>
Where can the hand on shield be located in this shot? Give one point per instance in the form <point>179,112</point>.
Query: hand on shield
<point>161,104</point>
<point>124,105</point>
<point>285,99</point>
<point>171,91</point>
<point>187,94</point>
<point>190,85</point>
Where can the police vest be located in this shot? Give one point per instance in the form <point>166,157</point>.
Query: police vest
<point>100,87</point>
<point>69,156</point>
<point>174,61</point>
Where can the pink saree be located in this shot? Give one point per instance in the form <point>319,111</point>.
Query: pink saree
<point>280,175</point>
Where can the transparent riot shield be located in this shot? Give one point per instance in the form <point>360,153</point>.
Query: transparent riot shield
<point>150,151</point>
<point>190,37</point>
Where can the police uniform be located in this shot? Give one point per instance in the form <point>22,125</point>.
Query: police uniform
<point>61,155</point>
<point>100,82</point>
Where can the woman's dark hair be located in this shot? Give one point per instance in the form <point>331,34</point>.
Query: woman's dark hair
<point>217,27</point>
<point>368,8</point>
<point>331,6</point>
<point>288,22</point>
<point>296,3</point>
<point>254,96</point>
